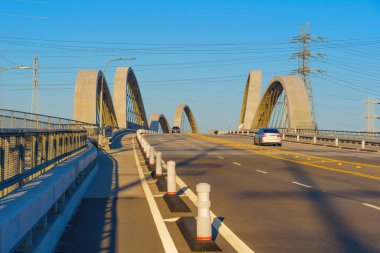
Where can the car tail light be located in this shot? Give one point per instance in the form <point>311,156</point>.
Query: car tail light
<point>279,135</point>
<point>264,135</point>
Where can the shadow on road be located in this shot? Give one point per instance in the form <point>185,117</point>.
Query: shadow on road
<point>94,225</point>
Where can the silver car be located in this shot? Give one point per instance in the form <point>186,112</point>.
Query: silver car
<point>268,136</point>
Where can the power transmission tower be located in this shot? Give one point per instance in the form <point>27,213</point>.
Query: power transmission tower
<point>304,56</point>
<point>35,106</point>
<point>371,115</point>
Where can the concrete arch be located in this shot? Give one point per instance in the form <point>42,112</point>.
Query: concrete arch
<point>297,102</point>
<point>157,120</point>
<point>129,107</point>
<point>87,99</point>
<point>251,99</point>
<point>183,108</point>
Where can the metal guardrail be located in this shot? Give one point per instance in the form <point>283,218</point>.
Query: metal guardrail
<point>18,119</point>
<point>362,143</point>
<point>358,140</point>
<point>24,153</point>
<point>335,133</point>
<point>329,133</point>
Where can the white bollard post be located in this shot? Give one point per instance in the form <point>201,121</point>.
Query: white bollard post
<point>298,138</point>
<point>171,185</point>
<point>147,150</point>
<point>204,232</point>
<point>144,145</point>
<point>151,155</point>
<point>315,139</point>
<point>336,142</point>
<point>363,144</point>
<point>158,164</point>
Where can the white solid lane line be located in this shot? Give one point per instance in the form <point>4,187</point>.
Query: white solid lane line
<point>261,171</point>
<point>163,231</point>
<point>238,164</point>
<point>220,157</point>
<point>304,185</point>
<point>373,206</point>
<point>172,219</point>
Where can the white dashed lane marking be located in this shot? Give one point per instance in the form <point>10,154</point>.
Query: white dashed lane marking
<point>220,157</point>
<point>304,185</point>
<point>261,171</point>
<point>238,164</point>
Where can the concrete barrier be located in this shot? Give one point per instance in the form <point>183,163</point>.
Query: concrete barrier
<point>25,208</point>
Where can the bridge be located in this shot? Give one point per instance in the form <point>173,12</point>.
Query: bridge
<point>110,180</point>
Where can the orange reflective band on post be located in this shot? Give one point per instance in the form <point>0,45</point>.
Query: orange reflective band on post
<point>171,193</point>
<point>206,238</point>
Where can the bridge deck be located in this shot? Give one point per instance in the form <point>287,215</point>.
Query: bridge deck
<point>114,215</point>
<point>297,198</point>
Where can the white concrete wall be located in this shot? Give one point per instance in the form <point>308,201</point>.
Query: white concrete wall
<point>24,207</point>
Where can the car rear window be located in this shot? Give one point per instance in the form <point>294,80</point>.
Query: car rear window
<point>271,131</point>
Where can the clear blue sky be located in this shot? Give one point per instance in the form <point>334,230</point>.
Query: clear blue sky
<point>194,52</point>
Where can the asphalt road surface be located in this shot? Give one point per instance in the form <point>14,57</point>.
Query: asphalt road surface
<point>295,198</point>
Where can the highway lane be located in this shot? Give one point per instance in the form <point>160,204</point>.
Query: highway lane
<point>328,152</point>
<point>280,205</point>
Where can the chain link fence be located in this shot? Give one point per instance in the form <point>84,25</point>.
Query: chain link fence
<point>26,153</point>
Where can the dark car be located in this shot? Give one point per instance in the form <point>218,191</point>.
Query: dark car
<point>176,130</point>
<point>268,136</point>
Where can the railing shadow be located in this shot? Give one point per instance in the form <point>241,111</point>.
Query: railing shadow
<point>94,228</point>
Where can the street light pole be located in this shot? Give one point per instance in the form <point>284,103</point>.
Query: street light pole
<point>101,90</point>
<point>14,67</point>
